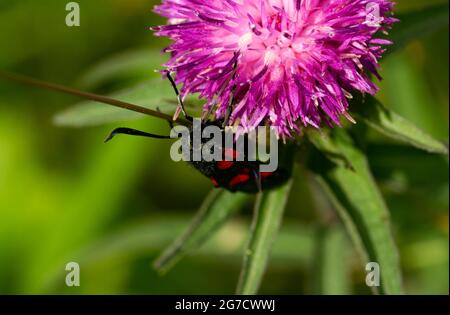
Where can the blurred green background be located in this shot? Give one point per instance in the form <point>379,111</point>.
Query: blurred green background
<point>65,196</point>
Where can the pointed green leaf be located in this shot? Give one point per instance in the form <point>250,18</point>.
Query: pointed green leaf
<point>267,218</point>
<point>377,116</point>
<point>416,24</point>
<point>362,209</point>
<point>217,208</point>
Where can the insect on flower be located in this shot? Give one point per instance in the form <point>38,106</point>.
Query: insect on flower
<point>287,64</point>
<point>229,171</point>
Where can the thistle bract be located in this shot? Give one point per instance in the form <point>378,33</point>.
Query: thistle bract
<point>285,63</point>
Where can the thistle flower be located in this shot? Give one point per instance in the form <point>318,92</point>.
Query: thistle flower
<point>286,63</point>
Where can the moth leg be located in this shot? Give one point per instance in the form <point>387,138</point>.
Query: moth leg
<point>257,177</point>
<point>232,95</point>
<point>179,99</point>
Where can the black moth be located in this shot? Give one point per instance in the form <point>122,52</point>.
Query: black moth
<point>243,175</point>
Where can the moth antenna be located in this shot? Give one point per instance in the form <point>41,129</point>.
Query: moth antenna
<point>133,132</point>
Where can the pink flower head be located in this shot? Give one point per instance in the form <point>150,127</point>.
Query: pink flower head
<point>283,62</point>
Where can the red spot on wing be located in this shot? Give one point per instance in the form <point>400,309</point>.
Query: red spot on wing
<point>224,165</point>
<point>239,179</point>
<point>266,174</point>
<point>215,182</point>
<point>230,155</point>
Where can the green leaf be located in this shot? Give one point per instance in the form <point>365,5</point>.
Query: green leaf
<point>217,208</point>
<point>356,197</point>
<point>416,24</point>
<point>154,94</point>
<point>377,116</point>
<point>267,218</point>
